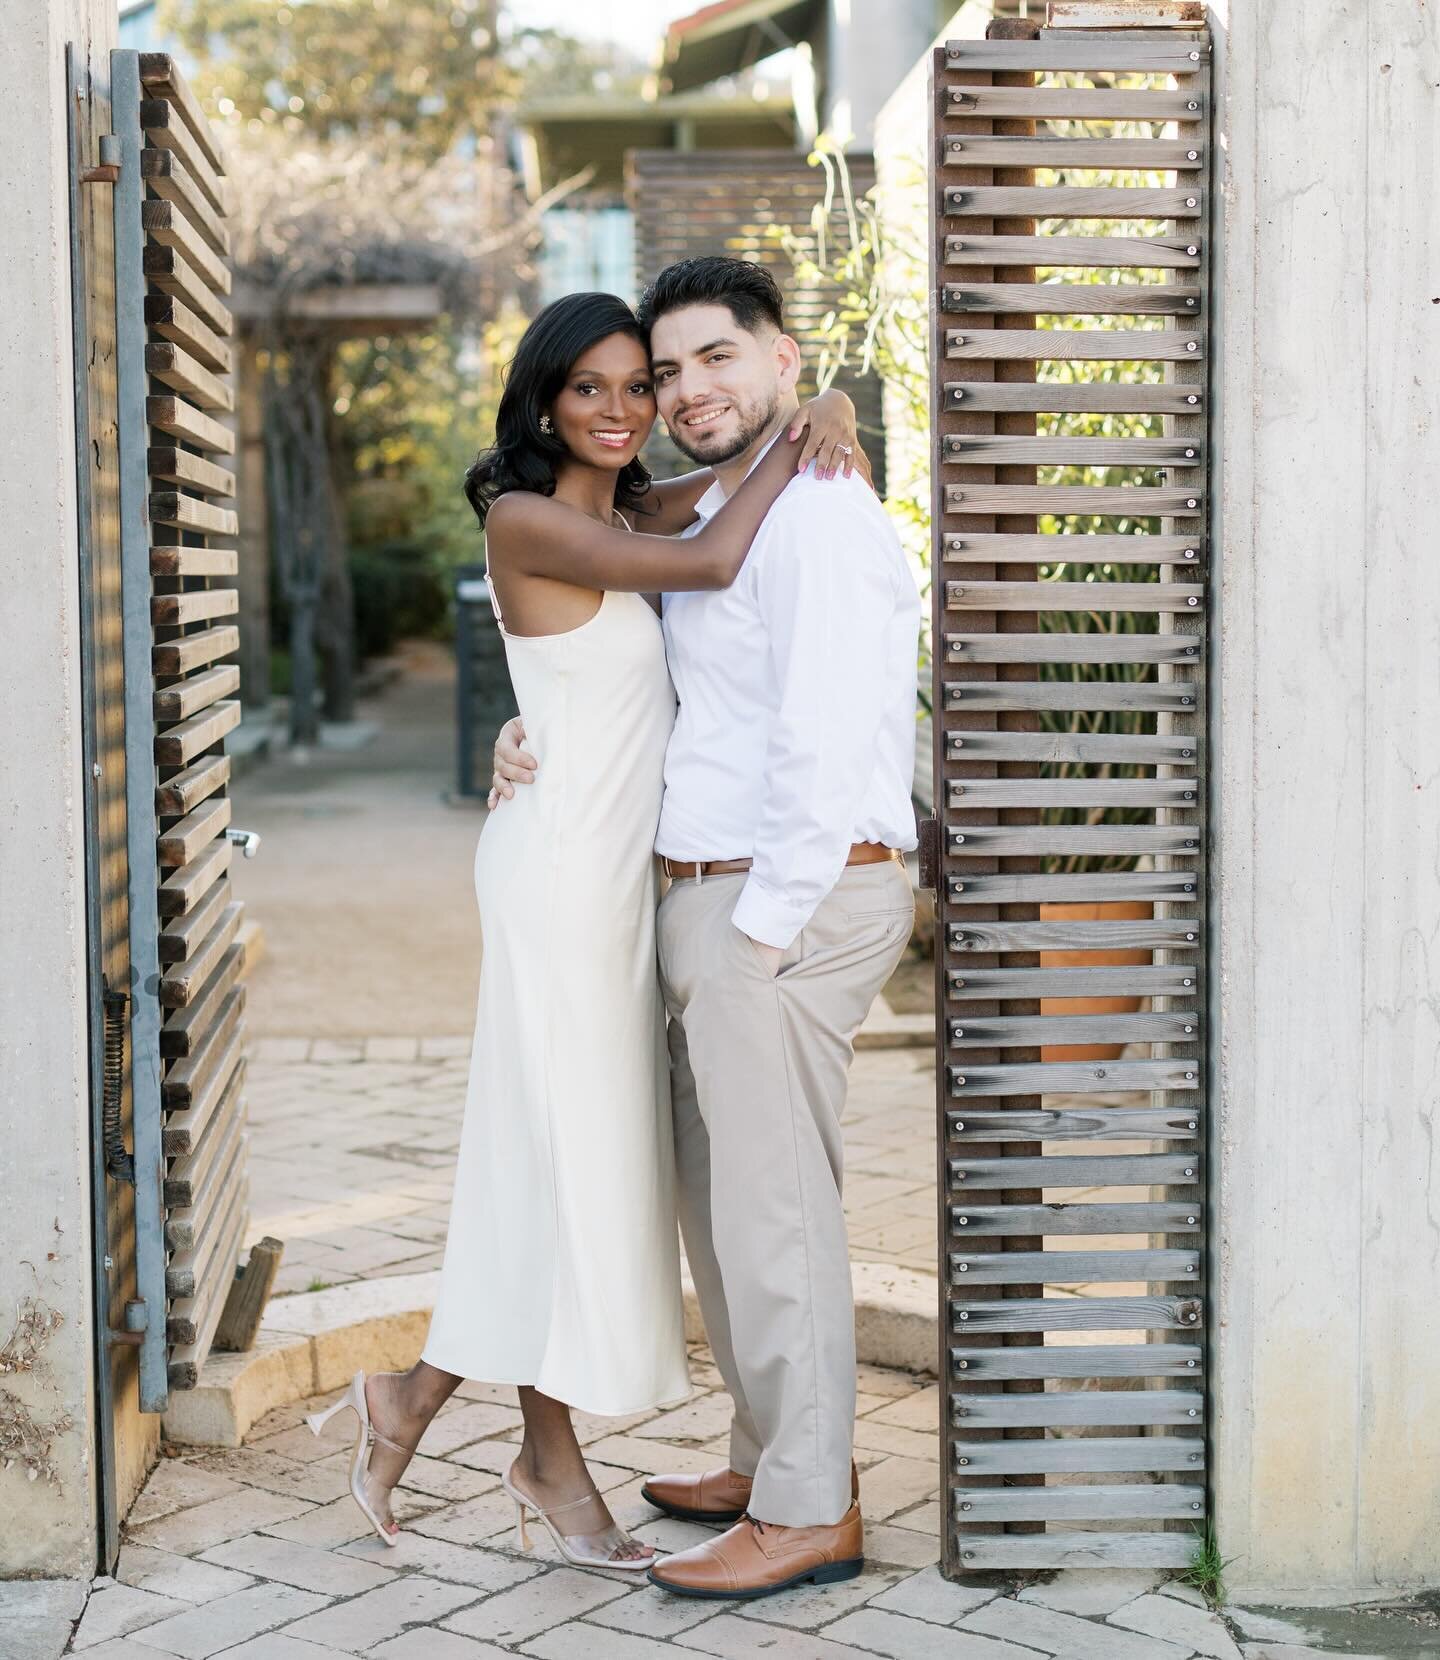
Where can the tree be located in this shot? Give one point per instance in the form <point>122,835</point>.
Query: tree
<point>413,78</point>
<point>361,150</point>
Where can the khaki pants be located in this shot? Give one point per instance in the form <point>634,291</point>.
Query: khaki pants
<point>758,1072</point>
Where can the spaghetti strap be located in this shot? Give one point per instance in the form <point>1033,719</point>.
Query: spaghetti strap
<point>494,597</point>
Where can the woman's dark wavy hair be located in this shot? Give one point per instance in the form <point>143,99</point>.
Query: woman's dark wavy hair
<point>522,456</point>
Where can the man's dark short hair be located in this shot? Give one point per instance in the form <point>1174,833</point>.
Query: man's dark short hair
<point>748,291</point>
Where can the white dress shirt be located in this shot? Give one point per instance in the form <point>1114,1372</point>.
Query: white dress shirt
<point>796,730</point>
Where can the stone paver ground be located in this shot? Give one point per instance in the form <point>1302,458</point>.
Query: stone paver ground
<point>353,1146</point>
<point>259,1554</point>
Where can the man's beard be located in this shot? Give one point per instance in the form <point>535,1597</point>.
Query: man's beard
<point>754,423</point>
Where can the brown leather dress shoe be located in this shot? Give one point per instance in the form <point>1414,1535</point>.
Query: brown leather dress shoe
<point>756,1559</point>
<point>717,1496</point>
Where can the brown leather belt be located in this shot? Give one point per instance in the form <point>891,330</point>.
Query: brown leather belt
<point>679,870</point>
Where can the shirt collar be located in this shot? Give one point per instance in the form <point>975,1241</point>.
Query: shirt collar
<point>715,498</point>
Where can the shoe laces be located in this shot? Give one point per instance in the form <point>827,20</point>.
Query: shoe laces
<point>754,1522</point>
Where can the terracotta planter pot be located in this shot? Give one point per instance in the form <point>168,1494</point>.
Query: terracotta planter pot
<point>1129,910</point>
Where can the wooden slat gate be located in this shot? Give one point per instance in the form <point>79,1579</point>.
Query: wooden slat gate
<point>1070,248</point>
<point>174,365</point>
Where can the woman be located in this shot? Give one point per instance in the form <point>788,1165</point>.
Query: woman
<point>561,1271</point>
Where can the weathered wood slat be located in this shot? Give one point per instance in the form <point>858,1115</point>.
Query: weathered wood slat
<point>1079,1170</point>
<point>187,1080</point>
<point>171,507</point>
<point>1018,1031</point>
<point>1093,1454</point>
<point>980,595</point>
<point>1173,695</point>
<point>176,367</point>
<point>1062,647</point>
<point>1081,1502</point>
<point>1062,299</point>
<point>172,561</point>
<point>1130,500</point>
<point>1072,1268</point>
<point>170,610</point>
<point>183,840</point>
<point>976,793</point>
<point>1087,839</point>
<point>184,1128</point>
<point>190,1321</point>
<point>168,225</point>
<point>1072,1408</point>
<point>191,651</point>
<point>1152,155</point>
<point>161,77</point>
<point>186,1028</point>
<point>173,182</point>
<point>175,321</point>
<point>1166,980</point>
<point>1175,886</point>
<point>187,697</point>
<point>1071,1077</point>
<point>168,271</point>
<point>182,892</point>
<point>187,1174</point>
<point>182,984</point>
<point>988,547</point>
<point>1065,1360</point>
<point>1159,53</point>
<point>179,419</point>
<point>182,937</point>
<point>187,1226</point>
<point>1086,397</point>
<point>1091,747</point>
<point>166,128</point>
<point>1026,1221</point>
<point>202,1275</point>
<point>983,1552</point>
<point>184,742</point>
<point>1110,253</point>
<point>1010,1314</point>
<point>1104,935</point>
<point>1075,345</point>
<point>1071,452</point>
<point>1059,201</point>
<point>187,789</point>
<point>169,464</point>
<point>1075,103</point>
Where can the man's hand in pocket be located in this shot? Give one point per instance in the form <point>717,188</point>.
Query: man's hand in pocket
<point>770,955</point>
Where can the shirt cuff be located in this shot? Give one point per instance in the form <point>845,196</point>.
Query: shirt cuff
<point>767,919</point>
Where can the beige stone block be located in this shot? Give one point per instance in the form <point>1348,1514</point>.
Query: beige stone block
<point>236,1389</point>
<point>118,1610</point>
<point>188,1532</point>
<point>522,1613</point>
<point>413,1600</point>
<point>200,1632</point>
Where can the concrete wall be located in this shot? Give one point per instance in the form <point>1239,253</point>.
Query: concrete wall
<point>45,1526</point>
<point>1327,1324</point>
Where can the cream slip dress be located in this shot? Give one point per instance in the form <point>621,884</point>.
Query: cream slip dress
<point>562,1263</point>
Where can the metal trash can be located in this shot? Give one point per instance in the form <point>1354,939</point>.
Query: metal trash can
<point>485,699</point>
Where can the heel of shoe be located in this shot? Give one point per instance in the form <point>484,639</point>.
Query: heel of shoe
<point>318,1420</point>
<point>833,1572</point>
<point>522,1535</point>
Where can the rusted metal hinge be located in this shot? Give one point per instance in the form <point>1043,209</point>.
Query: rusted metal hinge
<point>107,169</point>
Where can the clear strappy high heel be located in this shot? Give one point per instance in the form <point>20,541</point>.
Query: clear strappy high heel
<point>582,1550</point>
<point>365,1438</point>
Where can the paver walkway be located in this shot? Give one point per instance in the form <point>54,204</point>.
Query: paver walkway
<point>259,1554</point>
<point>353,1146</point>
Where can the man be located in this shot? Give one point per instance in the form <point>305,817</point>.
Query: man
<point>787,802</point>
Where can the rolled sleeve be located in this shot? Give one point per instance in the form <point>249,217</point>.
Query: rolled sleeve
<point>826,596</point>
